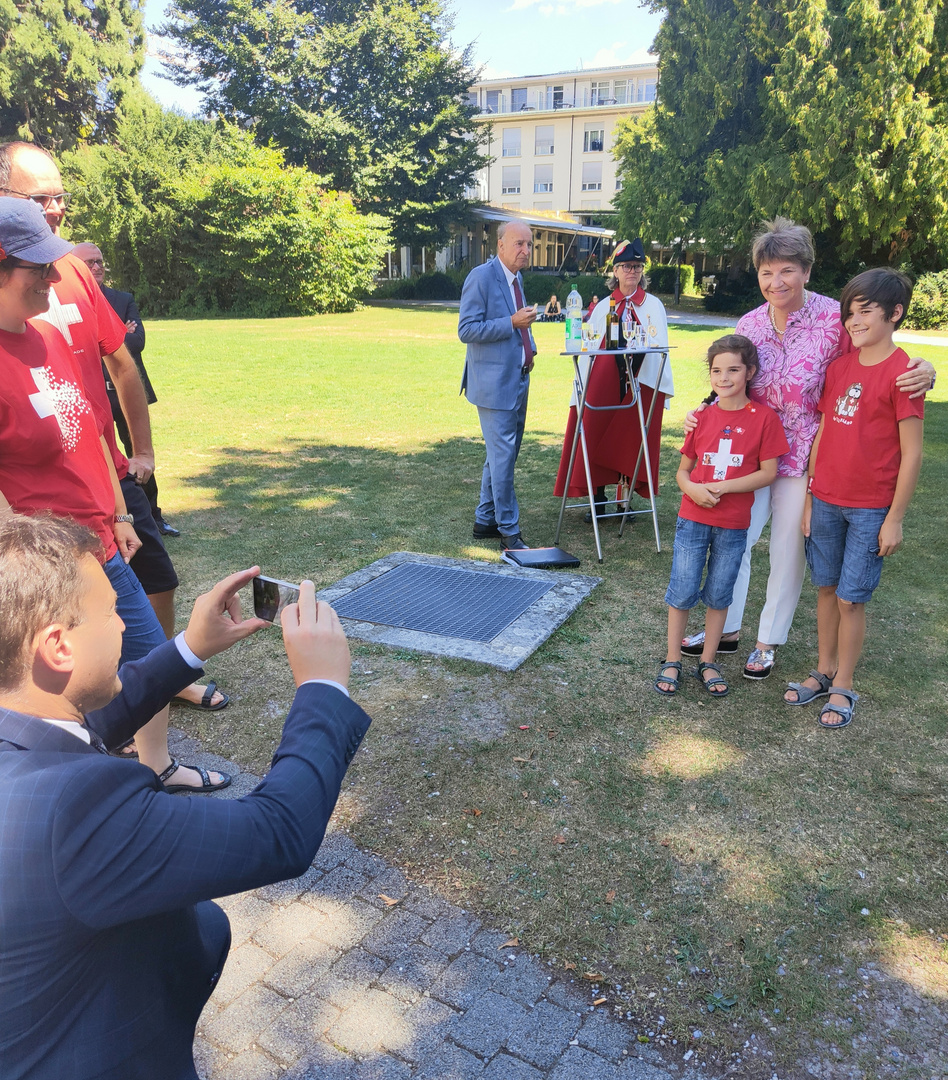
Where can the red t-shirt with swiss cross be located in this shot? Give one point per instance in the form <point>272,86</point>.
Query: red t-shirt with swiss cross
<point>860,452</point>
<point>92,330</point>
<point>729,443</point>
<point>50,454</point>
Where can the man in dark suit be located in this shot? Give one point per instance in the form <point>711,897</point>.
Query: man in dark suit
<point>494,323</point>
<point>109,944</point>
<point>123,304</point>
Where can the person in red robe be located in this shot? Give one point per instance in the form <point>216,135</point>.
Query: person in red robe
<point>614,439</point>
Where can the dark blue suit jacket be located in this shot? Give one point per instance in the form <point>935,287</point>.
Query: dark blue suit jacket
<point>108,949</point>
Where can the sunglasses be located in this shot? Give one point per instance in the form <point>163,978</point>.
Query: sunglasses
<point>42,270</point>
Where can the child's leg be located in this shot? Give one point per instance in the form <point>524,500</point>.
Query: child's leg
<point>713,629</point>
<point>851,619</point>
<point>688,561</point>
<point>677,622</point>
<point>827,630</point>
<point>727,549</point>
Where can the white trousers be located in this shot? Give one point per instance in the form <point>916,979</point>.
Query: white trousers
<point>783,501</point>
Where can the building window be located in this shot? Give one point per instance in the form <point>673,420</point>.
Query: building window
<point>645,89</point>
<point>618,183</point>
<point>593,138</point>
<point>518,98</point>
<point>510,180</point>
<point>542,178</point>
<point>470,98</point>
<point>590,204</point>
<point>543,140</point>
<point>511,142</point>
<point>491,101</point>
<point>542,206</point>
<point>599,92</point>
<point>621,91</point>
<point>554,97</point>
<point>592,176</point>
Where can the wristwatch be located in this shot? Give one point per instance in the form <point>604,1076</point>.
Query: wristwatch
<point>127,518</point>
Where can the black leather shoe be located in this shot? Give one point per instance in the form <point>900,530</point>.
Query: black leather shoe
<point>515,542</point>
<point>165,529</point>
<point>599,495</point>
<point>485,532</point>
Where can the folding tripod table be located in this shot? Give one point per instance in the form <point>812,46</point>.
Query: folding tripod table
<point>579,436</point>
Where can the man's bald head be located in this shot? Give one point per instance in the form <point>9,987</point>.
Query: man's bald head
<point>514,245</point>
<point>28,171</point>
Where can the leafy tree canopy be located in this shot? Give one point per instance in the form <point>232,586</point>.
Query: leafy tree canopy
<point>365,93</point>
<point>196,217</point>
<point>65,66</point>
<point>832,112</point>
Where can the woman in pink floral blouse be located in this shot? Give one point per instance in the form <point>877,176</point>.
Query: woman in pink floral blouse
<point>797,334</point>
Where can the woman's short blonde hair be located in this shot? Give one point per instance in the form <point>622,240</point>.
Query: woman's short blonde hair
<point>783,239</point>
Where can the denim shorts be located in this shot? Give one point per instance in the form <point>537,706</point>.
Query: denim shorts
<point>843,549</point>
<point>693,543</point>
<point>142,630</point>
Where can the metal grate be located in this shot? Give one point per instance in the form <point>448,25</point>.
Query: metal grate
<point>442,600</point>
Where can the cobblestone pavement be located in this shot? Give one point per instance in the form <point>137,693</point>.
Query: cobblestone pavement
<point>352,973</point>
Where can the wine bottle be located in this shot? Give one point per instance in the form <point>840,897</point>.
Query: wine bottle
<point>613,330</point>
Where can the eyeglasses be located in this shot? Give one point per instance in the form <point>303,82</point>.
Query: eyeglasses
<point>61,200</point>
<point>41,270</point>
<point>95,262</point>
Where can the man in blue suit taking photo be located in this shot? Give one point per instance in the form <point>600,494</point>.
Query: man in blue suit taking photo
<point>495,323</point>
<point>110,945</point>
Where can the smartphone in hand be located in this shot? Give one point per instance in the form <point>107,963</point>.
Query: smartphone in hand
<point>271,596</point>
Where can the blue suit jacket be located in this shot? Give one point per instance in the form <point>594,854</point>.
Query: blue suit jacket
<point>494,348</point>
<point>108,948</point>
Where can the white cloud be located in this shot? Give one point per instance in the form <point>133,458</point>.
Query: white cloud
<point>620,53</point>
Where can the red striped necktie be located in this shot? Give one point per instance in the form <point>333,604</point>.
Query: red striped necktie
<point>524,336</point>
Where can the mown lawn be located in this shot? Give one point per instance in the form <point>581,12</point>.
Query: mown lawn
<point>691,853</point>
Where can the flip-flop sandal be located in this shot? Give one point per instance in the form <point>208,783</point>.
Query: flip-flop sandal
<point>708,684</point>
<point>662,677</point>
<point>844,712</point>
<point>205,703</point>
<point>206,783</point>
<point>126,750</point>
<point>760,656</point>
<point>694,645</point>
<point>806,694</point>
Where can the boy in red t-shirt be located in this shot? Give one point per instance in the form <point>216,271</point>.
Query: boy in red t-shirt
<point>731,452</point>
<point>863,469</point>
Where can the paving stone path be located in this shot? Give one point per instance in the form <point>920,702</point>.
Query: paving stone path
<point>328,980</point>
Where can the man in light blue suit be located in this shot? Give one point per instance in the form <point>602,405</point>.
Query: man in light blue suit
<point>495,325</point>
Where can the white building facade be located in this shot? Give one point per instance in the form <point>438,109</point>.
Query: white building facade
<point>550,137</point>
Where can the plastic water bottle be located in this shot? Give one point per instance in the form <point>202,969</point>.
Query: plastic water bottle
<point>574,321</point>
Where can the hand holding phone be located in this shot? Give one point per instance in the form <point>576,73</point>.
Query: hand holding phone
<point>315,642</point>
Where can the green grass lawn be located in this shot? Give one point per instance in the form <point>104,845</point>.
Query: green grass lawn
<point>690,852</point>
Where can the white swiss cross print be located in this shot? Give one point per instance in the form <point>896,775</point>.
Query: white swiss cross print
<point>723,458</point>
<point>64,400</point>
<point>62,316</point>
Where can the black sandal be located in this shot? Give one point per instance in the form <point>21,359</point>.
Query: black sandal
<point>709,683</point>
<point>206,783</point>
<point>205,703</point>
<point>662,677</point>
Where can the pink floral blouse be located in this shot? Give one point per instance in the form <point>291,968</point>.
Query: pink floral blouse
<point>792,370</point>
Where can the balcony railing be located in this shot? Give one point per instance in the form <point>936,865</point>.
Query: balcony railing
<point>550,101</point>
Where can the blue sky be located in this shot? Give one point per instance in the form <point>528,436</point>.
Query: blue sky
<point>509,37</point>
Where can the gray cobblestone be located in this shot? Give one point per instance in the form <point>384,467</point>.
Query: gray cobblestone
<point>286,928</point>
<point>246,912</point>
<point>424,903</point>
<point>290,1036</point>
<point>484,1028</point>
<point>370,1021</point>
<point>465,980</point>
<point>230,1028</point>
<point>340,883</point>
<point>253,1065</point>
<point>335,849</point>
<point>451,933</point>
<point>505,1067</point>
<point>301,967</point>
<point>413,972</point>
<point>391,882</point>
<point>451,1063</point>
<point>567,995</point>
<point>243,968</point>
<point>607,1036</point>
<point>348,977</point>
<point>488,943</point>
<point>342,924</point>
<point>285,892</point>
<point>394,934</point>
<point>543,1034</point>
<point>522,981</point>
<point>428,1023</point>
<point>580,1064</point>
